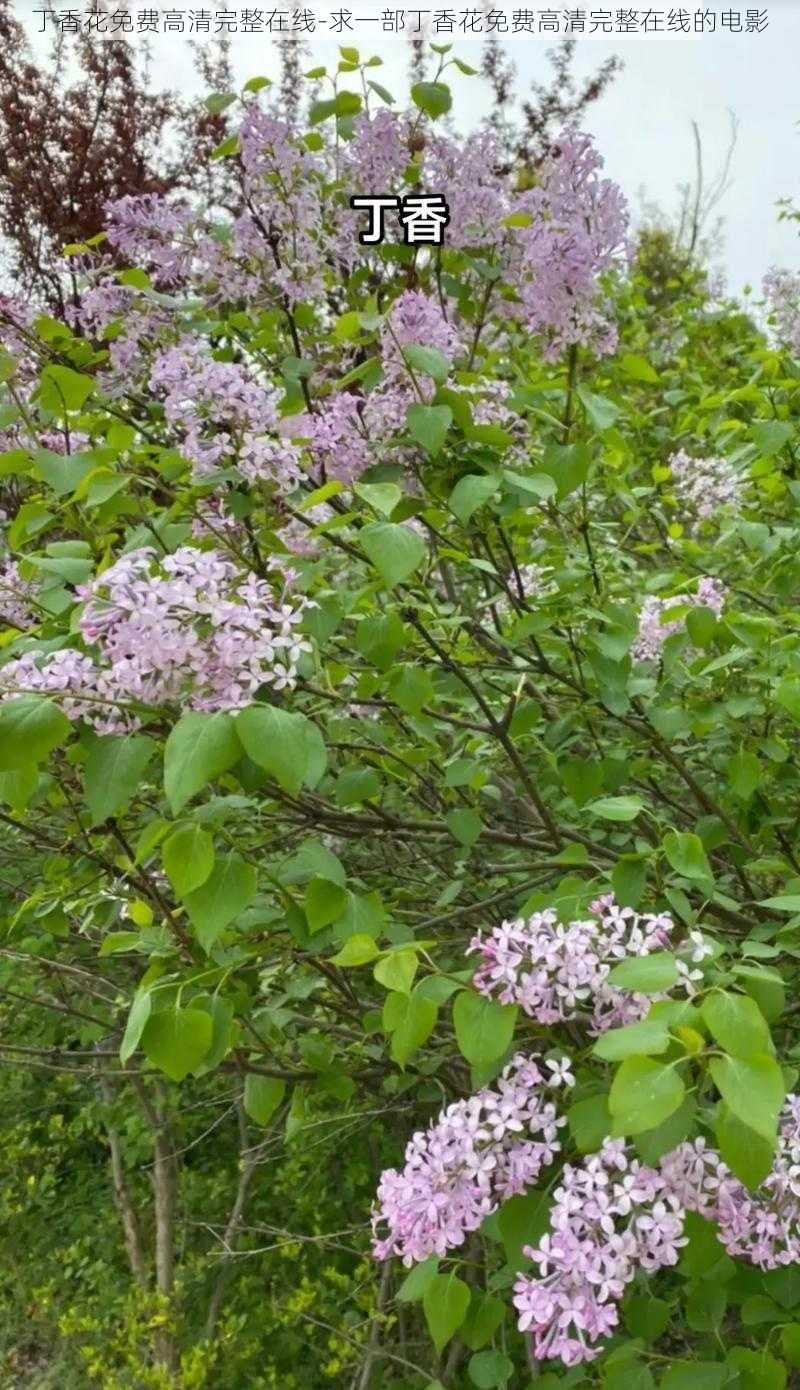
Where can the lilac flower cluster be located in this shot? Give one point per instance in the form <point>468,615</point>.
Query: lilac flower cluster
<point>704,485</point>
<point>557,972</point>
<point>222,411</point>
<point>189,627</point>
<point>17,597</point>
<point>479,1152</point>
<point>611,1217</point>
<point>762,1227</point>
<point>653,631</point>
<point>577,231</point>
<point>782,292</point>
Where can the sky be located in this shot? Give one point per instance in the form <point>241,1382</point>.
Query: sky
<point>643,124</point>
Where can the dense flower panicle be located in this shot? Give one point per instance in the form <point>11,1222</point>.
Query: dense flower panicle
<point>414,318</point>
<point>577,231</point>
<point>17,597</point>
<point>336,437</point>
<point>479,1152</point>
<point>653,631</point>
<point>223,412</point>
<point>285,224</point>
<point>467,174</point>
<point>189,627</point>
<point>782,293</point>
<point>704,485</point>
<point>154,232</point>
<point>556,972</point>
<point>611,1217</point>
<point>378,153</point>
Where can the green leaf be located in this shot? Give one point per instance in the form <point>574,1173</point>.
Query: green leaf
<point>62,389</point>
<point>601,412</point>
<point>445,1302</point>
<point>644,1094</point>
<point>262,1096</point>
<point>137,1018</point>
<point>646,1317</point>
<point>229,890</point>
<point>748,1154</point>
<point>686,855</point>
<point>771,435</point>
<point>396,970</point>
<point>622,808</point>
<point>286,744</point>
<point>522,1221</point>
<point>470,493</point>
<point>488,1369</point>
<point>744,774</point>
<point>753,1089</point>
<point>395,551</point>
<point>790,1341</point>
<point>199,748</point>
<point>737,1023</point>
<point>428,424</point>
<point>787,694</point>
<point>589,1123</point>
<point>63,473</point>
<point>483,1319</point>
<point>177,1040</point>
<point>381,92</point>
<point>416,1282</point>
<point>188,858</point>
<point>638,368</point>
<point>30,728</point>
<point>384,497</point>
<point>635,1039</point>
<point>410,1019</point>
<point>411,688</point>
<point>113,772</point>
<point>484,1029</point>
<point>324,903</point>
<point>430,361</point>
<point>218,102</point>
<point>756,1370</point>
<point>646,974</point>
<point>464,825</point>
<point>699,1375</point>
<point>434,98</point>
<point>358,949</point>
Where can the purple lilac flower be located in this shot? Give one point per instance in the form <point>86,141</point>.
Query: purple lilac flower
<point>704,485</point>
<point>612,1216</point>
<point>557,972</point>
<point>782,292</point>
<point>190,627</point>
<point>577,231</point>
<point>479,1152</point>
<point>653,631</point>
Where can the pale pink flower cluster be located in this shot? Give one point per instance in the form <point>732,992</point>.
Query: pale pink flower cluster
<point>577,232</point>
<point>612,1216</point>
<point>782,292</point>
<point>762,1227</point>
<point>190,627</point>
<point>337,438</point>
<point>479,1152</point>
<point>653,631</point>
<point>558,971</point>
<point>704,485</point>
<point>223,412</point>
<point>17,597</point>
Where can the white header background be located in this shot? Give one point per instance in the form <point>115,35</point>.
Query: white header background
<point>642,124</point>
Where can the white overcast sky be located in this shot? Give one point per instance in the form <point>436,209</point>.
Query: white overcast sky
<point>642,124</point>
